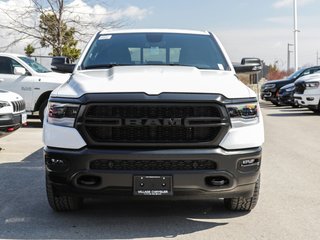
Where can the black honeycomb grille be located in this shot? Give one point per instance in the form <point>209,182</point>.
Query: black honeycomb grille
<point>300,87</point>
<point>153,165</point>
<point>103,123</point>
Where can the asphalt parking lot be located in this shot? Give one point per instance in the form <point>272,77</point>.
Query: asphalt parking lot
<point>289,205</point>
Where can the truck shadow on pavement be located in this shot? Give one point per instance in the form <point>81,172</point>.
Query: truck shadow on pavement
<point>293,112</point>
<point>24,212</point>
<point>287,111</point>
<point>264,104</point>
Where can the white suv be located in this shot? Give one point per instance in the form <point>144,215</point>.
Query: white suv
<point>307,92</point>
<point>12,112</point>
<point>29,79</point>
<point>154,113</point>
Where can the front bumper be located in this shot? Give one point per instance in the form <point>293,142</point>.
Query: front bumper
<point>268,95</point>
<point>307,100</point>
<point>286,98</point>
<point>65,169</point>
<point>9,123</point>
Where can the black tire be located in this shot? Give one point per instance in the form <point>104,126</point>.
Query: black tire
<point>41,110</point>
<point>315,109</point>
<point>295,106</point>
<point>276,103</point>
<point>60,202</point>
<point>244,204</point>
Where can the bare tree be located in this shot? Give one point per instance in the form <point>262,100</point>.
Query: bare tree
<point>50,22</point>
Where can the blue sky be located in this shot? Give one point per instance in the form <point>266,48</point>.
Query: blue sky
<point>260,28</point>
<point>247,28</point>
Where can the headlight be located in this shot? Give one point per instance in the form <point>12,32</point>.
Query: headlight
<point>62,114</point>
<point>269,86</point>
<point>4,104</point>
<point>290,89</point>
<point>243,114</point>
<point>311,85</point>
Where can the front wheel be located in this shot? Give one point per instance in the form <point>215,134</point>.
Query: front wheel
<point>295,105</point>
<point>61,202</point>
<point>244,204</point>
<point>41,109</point>
<point>315,109</point>
<point>276,103</point>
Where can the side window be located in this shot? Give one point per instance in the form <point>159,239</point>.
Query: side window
<point>154,55</point>
<point>135,55</point>
<point>175,55</point>
<point>307,72</point>
<point>6,65</point>
<point>314,70</point>
<point>15,64</point>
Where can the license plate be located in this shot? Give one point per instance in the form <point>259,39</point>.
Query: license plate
<point>23,118</point>
<point>152,185</point>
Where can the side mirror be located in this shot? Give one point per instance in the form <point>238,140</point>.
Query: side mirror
<point>62,65</point>
<point>248,65</point>
<point>19,71</point>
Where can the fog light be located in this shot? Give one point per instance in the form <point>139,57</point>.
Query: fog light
<point>56,161</point>
<point>247,165</point>
<point>56,164</point>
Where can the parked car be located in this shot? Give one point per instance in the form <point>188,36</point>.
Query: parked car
<point>270,90</point>
<point>29,79</point>
<point>307,92</point>
<point>12,112</point>
<point>286,96</point>
<point>154,113</point>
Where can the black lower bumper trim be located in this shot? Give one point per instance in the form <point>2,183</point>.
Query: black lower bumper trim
<point>70,171</point>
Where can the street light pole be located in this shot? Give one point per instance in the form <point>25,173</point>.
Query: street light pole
<point>289,56</point>
<point>295,30</point>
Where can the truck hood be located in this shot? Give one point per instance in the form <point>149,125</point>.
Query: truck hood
<point>281,81</point>
<point>310,78</point>
<point>7,96</point>
<point>153,80</point>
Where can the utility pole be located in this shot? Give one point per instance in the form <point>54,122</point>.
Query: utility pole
<point>289,56</point>
<point>295,30</point>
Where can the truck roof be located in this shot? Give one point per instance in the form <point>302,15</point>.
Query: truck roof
<point>11,55</point>
<point>155,30</point>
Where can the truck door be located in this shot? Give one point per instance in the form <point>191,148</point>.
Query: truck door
<point>21,84</point>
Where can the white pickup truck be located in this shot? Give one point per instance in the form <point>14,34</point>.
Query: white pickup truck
<point>29,79</point>
<point>154,113</point>
<point>307,92</point>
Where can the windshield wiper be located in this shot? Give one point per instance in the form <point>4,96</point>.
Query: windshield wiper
<point>182,65</point>
<point>109,65</point>
<point>186,65</point>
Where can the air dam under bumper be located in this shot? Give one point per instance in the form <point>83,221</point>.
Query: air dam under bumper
<point>228,174</point>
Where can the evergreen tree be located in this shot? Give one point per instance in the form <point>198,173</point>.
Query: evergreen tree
<point>57,35</point>
<point>29,49</point>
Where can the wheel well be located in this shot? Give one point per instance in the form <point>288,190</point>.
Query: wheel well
<point>44,96</point>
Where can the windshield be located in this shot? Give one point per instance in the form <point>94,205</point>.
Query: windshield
<point>296,74</point>
<point>34,65</point>
<point>173,49</point>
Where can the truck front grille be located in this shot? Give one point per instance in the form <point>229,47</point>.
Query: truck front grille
<point>300,87</point>
<point>153,123</point>
<point>153,165</point>
<point>18,106</point>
